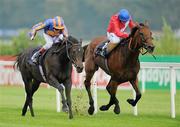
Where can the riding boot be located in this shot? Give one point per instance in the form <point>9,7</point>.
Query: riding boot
<point>110,46</point>
<point>36,55</point>
<point>100,48</point>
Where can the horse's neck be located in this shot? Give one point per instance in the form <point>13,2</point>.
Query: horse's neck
<point>61,53</point>
<point>63,56</point>
<point>127,54</point>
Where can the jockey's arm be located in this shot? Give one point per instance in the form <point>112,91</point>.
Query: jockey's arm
<point>118,33</point>
<point>36,28</point>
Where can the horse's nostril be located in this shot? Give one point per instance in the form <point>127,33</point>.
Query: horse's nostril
<point>152,48</point>
<point>79,69</point>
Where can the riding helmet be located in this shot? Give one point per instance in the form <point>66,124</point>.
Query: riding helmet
<point>124,15</point>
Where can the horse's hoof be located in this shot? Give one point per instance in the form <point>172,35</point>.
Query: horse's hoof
<point>71,117</point>
<point>103,108</point>
<point>65,109</point>
<point>117,109</point>
<point>91,110</point>
<point>132,102</point>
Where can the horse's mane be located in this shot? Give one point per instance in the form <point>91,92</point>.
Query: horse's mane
<point>60,46</point>
<point>125,42</point>
<point>133,31</point>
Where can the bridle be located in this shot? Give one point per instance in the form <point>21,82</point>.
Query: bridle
<point>70,44</point>
<point>142,41</point>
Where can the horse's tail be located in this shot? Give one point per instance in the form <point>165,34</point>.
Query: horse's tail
<point>19,60</point>
<point>84,48</point>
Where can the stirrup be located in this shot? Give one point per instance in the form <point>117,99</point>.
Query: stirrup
<point>35,57</point>
<point>31,62</point>
<point>103,53</point>
<point>35,61</point>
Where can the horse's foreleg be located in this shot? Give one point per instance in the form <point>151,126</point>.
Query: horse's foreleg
<point>87,83</point>
<point>91,101</point>
<point>138,93</point>
<point>112,88</point>
<point>68,85</point>
<point>55,83</point>
<point>90,68</point>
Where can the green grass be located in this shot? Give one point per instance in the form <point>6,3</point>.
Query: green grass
<point>153,110</point>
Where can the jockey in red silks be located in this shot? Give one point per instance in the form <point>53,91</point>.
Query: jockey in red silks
<point>54,30</point>
<point>116,29</point>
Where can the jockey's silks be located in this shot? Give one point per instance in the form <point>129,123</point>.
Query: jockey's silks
<point>117,27</point>
<point>49,24</point>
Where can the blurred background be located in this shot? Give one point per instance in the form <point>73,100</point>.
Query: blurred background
<point>87,19</point>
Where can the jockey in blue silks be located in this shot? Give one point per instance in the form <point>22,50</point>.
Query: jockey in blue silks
<point>54,30</point>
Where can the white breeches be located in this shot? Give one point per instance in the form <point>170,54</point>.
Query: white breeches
<point>113,38</point>
<point>50,40</point>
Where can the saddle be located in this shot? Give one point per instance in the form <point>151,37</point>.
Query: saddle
<point>40,66</point>
<point>99,50</point>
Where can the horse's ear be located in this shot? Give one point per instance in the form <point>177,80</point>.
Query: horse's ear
<point>146,23</point>
<point>138,25</point>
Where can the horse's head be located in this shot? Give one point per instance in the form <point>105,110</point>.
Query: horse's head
<point>75,53</point>
<point>143,37</point>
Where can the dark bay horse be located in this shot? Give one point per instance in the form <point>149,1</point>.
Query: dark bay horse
<point>122,64</point>
<point>57,67</point>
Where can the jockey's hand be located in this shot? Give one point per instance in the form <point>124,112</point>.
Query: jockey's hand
<point>32,34</point>
<point>32,37</point>
<point>65,38</point>
<point>61,37</point>
<point>126,35</point>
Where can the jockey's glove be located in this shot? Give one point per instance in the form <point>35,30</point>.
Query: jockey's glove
<point>32,34</point>
<point>61,37</point>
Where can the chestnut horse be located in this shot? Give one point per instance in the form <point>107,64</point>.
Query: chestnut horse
<point>122,64</point>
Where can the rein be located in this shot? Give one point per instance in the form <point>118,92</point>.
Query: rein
<point>71,59</point>
<point>68,44</point>
<point>143,40</point>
